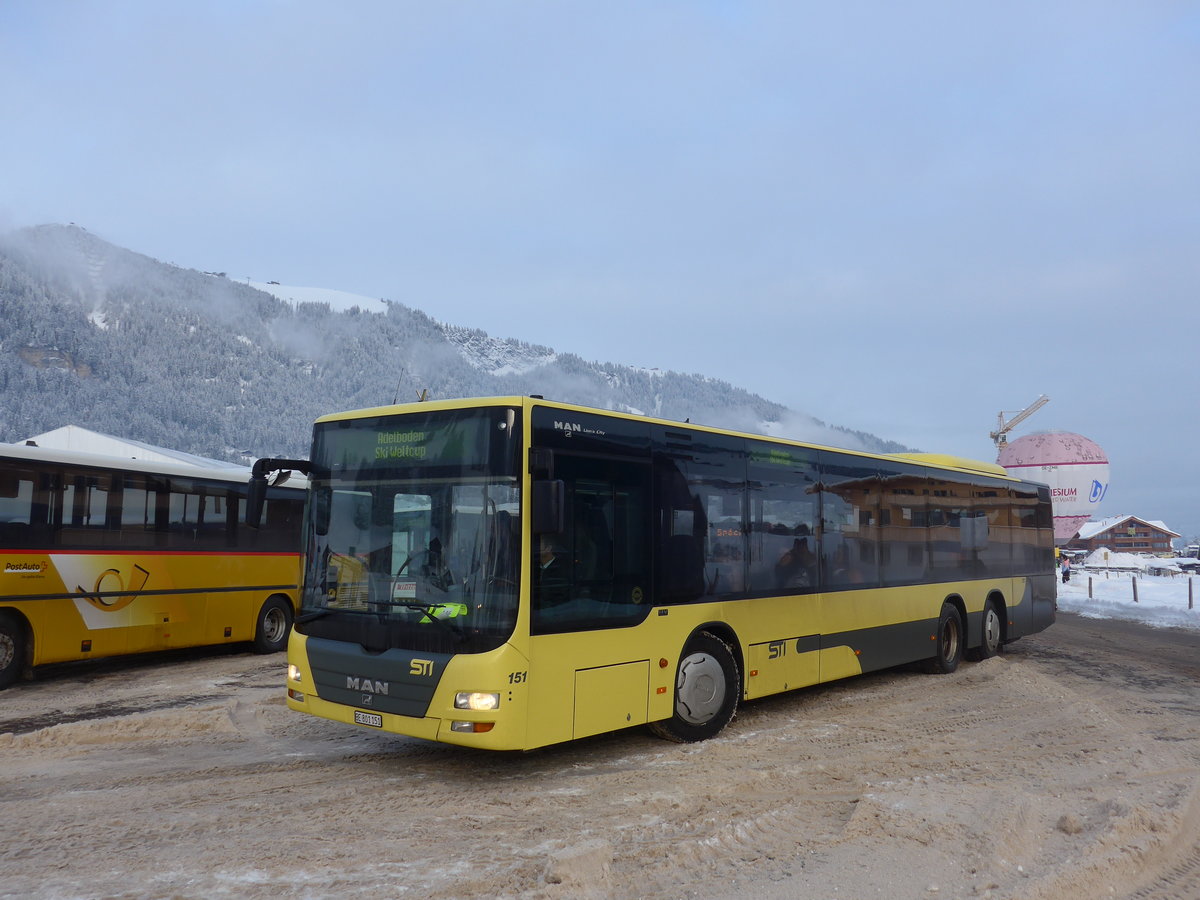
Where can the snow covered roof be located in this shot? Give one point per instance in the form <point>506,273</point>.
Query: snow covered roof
<point>1091,529</point>
<point>74,437</point>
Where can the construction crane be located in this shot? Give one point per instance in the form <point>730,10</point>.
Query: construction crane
<point>1000,435</point>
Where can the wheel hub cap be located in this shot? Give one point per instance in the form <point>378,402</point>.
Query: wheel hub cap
<point>701,688</point>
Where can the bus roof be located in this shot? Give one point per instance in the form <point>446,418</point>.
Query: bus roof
<point>25,453</point>
<point>936,460</point>
<point>945,461</point>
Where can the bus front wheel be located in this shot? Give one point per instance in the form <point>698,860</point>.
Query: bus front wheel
<point>707,686</point>
<point>13,649</point>
<point>274,623</point>
<point>949,639</point>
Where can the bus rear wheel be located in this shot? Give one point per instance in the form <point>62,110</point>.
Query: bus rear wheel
<point>13,649</point>
<point>992,637</point>
<point>274,624</point>
<point>949,638</point>
<point>707,687</point>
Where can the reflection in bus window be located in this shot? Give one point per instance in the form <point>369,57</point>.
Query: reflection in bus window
<point>701,488</point>
<point>849,524</point>
<point>903,543</point>
<point>784,517</point>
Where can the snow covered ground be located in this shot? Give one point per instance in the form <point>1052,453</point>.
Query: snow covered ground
<point>339,301</point>
<point>1107,592</point>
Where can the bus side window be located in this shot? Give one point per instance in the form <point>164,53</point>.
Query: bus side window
<point>1026,551</point>
<point>850,524</point>
<point>137,511</point>
<point>903,538</point>
<point>951,529</point>
<point>701,488</point>
<point>10,487</point>
<point>84,505</point>
<point>16,508</point>
<point>16,497</point>
<point>280,523</point>
<point>96,505</point>
<point>681,524</point>
<point>183,505</point>
<point>785,516</point>
<point>210,519</point>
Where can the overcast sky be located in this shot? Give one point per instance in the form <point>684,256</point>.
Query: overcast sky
<point>901,218</point>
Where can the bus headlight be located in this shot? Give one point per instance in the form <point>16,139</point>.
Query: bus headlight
<point>476,700</point>
<point>294,673</point>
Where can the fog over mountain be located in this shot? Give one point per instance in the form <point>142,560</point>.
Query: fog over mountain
<point>95,335</point>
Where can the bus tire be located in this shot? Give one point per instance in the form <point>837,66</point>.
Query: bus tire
<point>273,626</point>
<point>992,636</point>
<point>707,688</point>
<point>949,639</point>
<point>14,649</point>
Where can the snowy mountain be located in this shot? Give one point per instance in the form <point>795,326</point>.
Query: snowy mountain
<point>95,335</point>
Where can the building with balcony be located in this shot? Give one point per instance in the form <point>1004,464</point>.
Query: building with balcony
<point>1125,534</point>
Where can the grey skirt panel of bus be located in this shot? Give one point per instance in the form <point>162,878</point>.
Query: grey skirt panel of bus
<point>395,681</point>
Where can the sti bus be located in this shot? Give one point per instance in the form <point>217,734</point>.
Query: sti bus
<point>105,556</point>
<point>508,573</point>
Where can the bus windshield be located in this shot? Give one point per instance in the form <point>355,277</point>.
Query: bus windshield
<point>412,532</point>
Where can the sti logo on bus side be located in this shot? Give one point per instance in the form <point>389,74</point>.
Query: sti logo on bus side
<point>366,685</point>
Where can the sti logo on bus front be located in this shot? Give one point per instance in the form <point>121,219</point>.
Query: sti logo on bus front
<point>366,685</point>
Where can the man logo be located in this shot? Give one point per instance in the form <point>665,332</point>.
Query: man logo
<point>422,668</point>
<point>366,685</point>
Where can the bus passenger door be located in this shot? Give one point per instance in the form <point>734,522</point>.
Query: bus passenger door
<point>590,588</point>
<point>595,574</point>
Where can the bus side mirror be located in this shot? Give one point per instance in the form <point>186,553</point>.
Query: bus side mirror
<point>256,493</point>
<point>548,507</point>
<point>255,497</point>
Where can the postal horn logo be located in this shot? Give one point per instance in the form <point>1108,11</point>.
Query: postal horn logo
<point>113,590</point>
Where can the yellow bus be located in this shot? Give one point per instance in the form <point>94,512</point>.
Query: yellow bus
<point>509,573</point>
<point>105,556</point>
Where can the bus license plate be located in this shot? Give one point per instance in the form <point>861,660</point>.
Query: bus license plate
<point>364,718</point>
